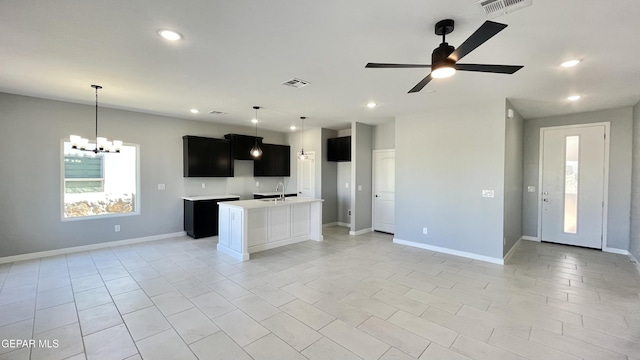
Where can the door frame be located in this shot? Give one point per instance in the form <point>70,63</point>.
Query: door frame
<point>373,187</point>
<point>605,198</point>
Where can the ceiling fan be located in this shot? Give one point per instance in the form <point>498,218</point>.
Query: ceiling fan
<point>445,57</point>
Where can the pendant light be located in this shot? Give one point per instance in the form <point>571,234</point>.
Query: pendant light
<point>301,154</point>
<point>256,152</point>
<point>102,144</point>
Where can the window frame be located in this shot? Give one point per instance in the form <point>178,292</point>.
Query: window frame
<point>136,199</point>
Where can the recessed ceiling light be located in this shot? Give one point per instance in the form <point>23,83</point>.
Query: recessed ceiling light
<point>194,111</point>
<point>254,120</point>
<point>574,97</point>
<point>371,105</point>
<point>293,127</point>
<point>570,63</point>
<point>170,35</point>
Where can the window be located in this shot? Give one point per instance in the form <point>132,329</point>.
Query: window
<point>572,150</point>
<point>103,184</point>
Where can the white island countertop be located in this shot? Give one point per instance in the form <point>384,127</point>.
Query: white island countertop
<point>209,197</point>
<point>273,193</point>
<point>263,203</point>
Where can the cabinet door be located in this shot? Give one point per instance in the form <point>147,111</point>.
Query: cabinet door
<point>206,157</point>
<point>279,223</point>
<point>257,232</point>
<point>224,221</point>
<point>205,216</point>
<point>241,145</point>
<point>300,214</point>
<point>275,161</point>
<point>235,229</point>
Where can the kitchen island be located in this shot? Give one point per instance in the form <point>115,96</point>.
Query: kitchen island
<point>250,226</point>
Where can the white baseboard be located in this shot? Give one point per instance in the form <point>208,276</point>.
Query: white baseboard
<point>469,255</point>
<point>512,250</point>
<point>616,251</point>
<point>360,232</point>
<point>344,224</point>
<point>40,254</point>
<point>530,238</point>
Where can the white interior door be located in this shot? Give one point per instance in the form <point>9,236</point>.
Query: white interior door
<point>384,190</point>
<point>307,176</point>
<point>573,179</point>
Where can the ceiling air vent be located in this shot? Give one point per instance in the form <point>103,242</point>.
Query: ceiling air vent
<point>296,83</point>
<point>495,8</point>
<point>217,113</point>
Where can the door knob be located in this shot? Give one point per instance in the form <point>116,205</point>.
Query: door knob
<point>376,195</point>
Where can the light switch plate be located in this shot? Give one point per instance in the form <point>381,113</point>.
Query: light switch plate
<point>531,188</point>
<point>488,193</point>
<point>161,187</point>
<point>359,187</point>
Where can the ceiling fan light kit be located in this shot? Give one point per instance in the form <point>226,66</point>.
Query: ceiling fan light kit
<point>444,58</point>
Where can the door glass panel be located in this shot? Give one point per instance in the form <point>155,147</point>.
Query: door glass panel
<point>571,184</point>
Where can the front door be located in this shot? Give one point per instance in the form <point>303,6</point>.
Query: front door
<point>573,174</point>
<point>384,189</point>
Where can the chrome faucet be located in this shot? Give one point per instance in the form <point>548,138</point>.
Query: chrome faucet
<point>282,193</point>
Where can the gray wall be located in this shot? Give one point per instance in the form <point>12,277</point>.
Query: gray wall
<point>361,156</point>
<point>30,156</point>
<point>444,159</point>
<point>384,136</point>
<point>329,172</point>
<point>619,169</point>
<point>344,186</point>
<point>634,241</point>
<point>514,146</point>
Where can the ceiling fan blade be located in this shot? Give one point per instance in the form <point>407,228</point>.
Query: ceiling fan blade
<point>485,32</point>
<point>421,84</point>
<point>397,66</point>
<point>498,69</point>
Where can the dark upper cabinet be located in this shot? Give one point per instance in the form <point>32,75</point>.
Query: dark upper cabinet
<point>339,149</point>
<point>206,157</point>
<point>275,161</point>
<point>241,145</point>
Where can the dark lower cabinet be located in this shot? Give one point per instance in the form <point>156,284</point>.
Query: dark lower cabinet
<point>275,161</point>
<point>257,196</point>
<point>201,217</point>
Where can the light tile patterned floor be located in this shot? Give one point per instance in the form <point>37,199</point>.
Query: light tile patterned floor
<point>349,297</point>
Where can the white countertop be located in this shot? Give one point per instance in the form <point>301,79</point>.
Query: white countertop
<point>209,197</point>
<point>261,203</point>
<point>272,193</point>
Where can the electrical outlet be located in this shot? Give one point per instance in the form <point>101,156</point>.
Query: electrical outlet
<point>359,187</point>
<point>488,193</point>
<point>504,241</point>
<point>117,228</point>
<point>425,231</point>
<point>204,186</point>
<point>161,186</point>
<point>346,185</point>
<point>257,183</point>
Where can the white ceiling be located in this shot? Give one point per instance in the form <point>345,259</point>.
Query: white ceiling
<point>236,53</point>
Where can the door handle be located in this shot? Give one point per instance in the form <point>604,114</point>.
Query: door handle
<point>376,195</point>
<point>545,193</point>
